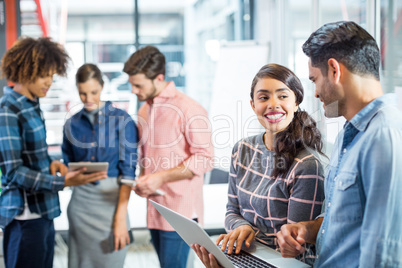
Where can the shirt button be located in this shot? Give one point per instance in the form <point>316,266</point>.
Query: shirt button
<point>329,204</point>
<point>323,231</point>
<point>335,178</point>
<point>344,150</point>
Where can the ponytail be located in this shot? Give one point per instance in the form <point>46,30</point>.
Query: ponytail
<point>301,133</point>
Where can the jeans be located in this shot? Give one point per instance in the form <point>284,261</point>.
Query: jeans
<point>171,249</point>
<point>29,243</point>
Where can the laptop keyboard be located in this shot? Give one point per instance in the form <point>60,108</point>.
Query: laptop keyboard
<point>246,260</point>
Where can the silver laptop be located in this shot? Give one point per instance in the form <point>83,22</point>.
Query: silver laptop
<point>192,233</point>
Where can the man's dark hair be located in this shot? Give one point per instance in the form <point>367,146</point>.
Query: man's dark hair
<point>346,42</point>
<point>29,59</point>
<point>148,61</point>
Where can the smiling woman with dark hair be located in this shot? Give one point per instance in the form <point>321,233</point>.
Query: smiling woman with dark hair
<point>276,177</point>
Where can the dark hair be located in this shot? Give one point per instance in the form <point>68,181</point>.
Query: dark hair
<point>301,133</point>
<point>148,61</point>
<point>346,42</point>
<point>88,71</point>
<point>29,59</point>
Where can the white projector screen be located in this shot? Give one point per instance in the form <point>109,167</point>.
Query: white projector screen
<point>230,114</point>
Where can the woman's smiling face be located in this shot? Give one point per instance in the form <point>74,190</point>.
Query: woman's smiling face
<point>274,104</point>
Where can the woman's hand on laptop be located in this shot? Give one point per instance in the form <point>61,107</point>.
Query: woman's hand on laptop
<point>207,258</point>
<point>243,233</point>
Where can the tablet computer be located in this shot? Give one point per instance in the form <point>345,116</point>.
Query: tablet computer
<point>91,166</point>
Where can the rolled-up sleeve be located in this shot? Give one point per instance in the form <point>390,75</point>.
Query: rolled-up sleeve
<point>381,239</point>
<point>11,147</point>
<point>198,136</point>
<point>128,142</point>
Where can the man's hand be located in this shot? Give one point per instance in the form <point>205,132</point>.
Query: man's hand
<point>243,233</point>
<point>57,166</point>
<point>148,184</point>
<point>292,237</point>
<point>77,177</point>
<point>207,258</point>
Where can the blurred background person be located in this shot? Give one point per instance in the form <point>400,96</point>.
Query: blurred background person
<point>29,199</point>
<point>176,151</point>
<point>97,212</point>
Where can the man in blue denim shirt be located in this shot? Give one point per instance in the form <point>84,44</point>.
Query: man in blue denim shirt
<point>361,226</point>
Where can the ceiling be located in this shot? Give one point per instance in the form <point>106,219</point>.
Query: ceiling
<point>31,26</point>
<point>125,6</point>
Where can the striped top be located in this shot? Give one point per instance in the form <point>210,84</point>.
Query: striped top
<point>264,202</point>
<point>174,129</point>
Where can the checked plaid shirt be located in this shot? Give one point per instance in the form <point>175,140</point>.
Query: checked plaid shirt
<point>264,202</point>
<point>24,160</point>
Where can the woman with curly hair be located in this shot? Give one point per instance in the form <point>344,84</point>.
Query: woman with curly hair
<point>29,200</point>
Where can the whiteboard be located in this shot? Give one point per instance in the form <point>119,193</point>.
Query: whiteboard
<point>231,115</point>
<point>398,91</point>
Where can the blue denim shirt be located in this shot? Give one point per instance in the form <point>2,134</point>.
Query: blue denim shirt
<point>362,225</point>
<point>113,138</point>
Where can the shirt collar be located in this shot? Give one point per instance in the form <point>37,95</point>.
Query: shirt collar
<point>19,97</point>
<point>361,120</point>
<point>106,109</point>
<point>168,92</point>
